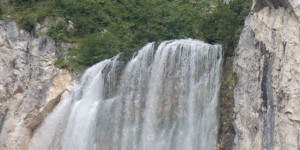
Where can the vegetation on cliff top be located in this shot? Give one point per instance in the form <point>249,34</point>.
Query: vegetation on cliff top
<point>103,28</point>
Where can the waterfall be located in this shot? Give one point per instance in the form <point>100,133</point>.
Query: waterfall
<point>164,98</point>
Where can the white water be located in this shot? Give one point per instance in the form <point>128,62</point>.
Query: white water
<point>164,99</point>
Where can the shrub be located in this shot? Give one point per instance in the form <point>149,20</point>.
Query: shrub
<point>94,48</point>
<point>224,24</point>
<point>27,23</point>
<point>232,80</point>
<point>58,29</point>
<point>1,11</point>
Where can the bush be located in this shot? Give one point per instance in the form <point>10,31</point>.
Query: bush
<point>58,30</point>
<point>1,11</point>
<point>94,48</point>
<point>27,23</point>
<point>225,24</point>
<point>232,80</point>
<point>60,64</point>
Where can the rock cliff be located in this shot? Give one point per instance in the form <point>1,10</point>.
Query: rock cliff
<point>267,95</point>
<point>30,85</point>
<point>267,63</point>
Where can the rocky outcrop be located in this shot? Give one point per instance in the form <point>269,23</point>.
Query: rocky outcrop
<point>259,4</point>
<point>267,63</point>
<point>30,85</point>
<point>275,4</point>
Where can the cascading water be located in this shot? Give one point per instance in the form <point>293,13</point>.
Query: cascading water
<point>164,99</point>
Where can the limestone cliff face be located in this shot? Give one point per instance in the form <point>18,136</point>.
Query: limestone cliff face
<point>267,95</point>
<point>30,85</point>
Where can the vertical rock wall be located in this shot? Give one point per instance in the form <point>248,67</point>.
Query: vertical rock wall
<point>267,95</point>
<point>30,85</point>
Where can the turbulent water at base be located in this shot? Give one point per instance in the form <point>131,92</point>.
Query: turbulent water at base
<point>165,98</point>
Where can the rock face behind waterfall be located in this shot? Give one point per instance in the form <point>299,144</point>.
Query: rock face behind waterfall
<point>30,86</point>
<point>267,95</point>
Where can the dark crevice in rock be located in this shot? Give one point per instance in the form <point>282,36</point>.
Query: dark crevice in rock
<point>112,77</point>
<point>291,119</point>
<point>254,130</point>
<point>257,46</point>
<point>2,119</point>
<point>284,49</point>
<point>267,110</point>
<point>280,97</point>
<point>226,105</point>
<point>42,43</point>
<point>260,4</point>
<point>18,90</point>
<point>298,140</point>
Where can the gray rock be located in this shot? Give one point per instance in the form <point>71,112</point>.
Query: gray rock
<point>30,85</point>
<point>259,4</point>
<point>267,95</point>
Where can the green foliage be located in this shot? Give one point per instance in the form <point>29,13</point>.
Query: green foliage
<point>58,30</point>
<point>27,23</point>
<point>231,80</point>
<point>225,24</point>
<point>103,28</point>
<point>13,63</point>
<point>60,64</point>
<point>22,2</point>
<point>228,83</point>
<point>1,11</point>
<point>95,47</point>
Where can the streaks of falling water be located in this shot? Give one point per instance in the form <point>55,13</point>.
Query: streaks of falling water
<point>164,99</point>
